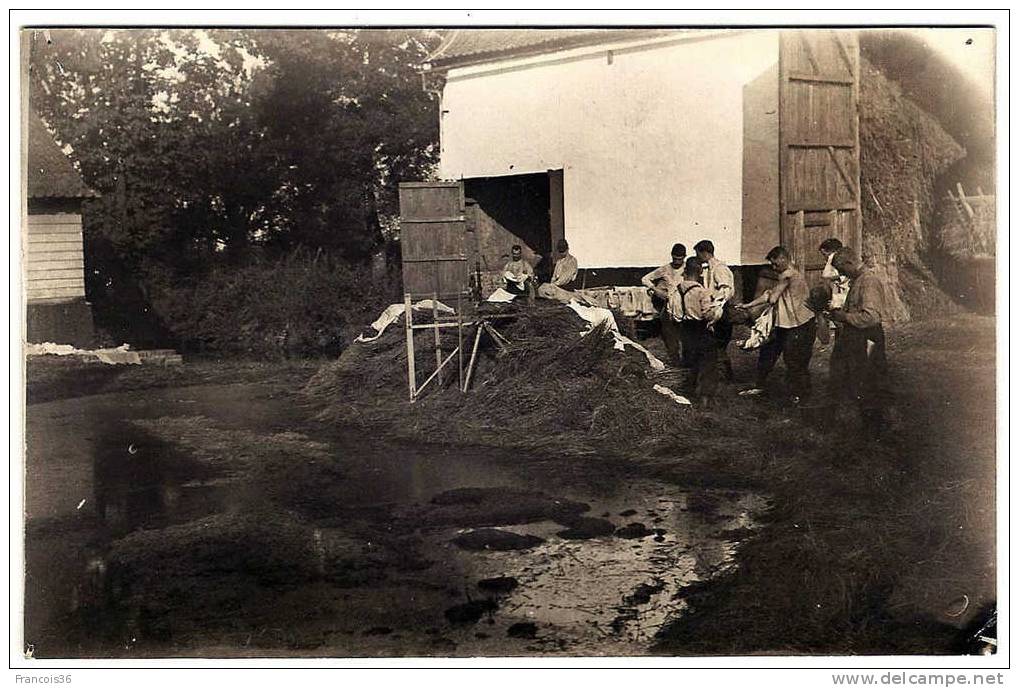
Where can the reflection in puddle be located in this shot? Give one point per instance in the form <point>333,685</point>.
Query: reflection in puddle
<point>609,595</point>
<point>379,571</point>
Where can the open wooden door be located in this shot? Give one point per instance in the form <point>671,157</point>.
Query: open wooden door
<point>433,239</point>
<point>819,142</point>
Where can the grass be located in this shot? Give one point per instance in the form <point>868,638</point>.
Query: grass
<point>50,378</point>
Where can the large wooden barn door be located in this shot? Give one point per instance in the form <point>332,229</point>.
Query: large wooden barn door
<point>432,239</point>
<point>819,141</point>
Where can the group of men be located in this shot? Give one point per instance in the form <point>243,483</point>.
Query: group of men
<point>698,312</point>
<point>696,295</point>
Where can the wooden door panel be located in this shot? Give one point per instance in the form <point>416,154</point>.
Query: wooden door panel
<point>432,239</point>
<point>819,143</point>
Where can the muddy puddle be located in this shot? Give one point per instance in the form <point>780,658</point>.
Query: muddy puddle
<point>215,521</point>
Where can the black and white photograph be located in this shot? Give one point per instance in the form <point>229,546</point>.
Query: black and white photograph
<point>520,340</point>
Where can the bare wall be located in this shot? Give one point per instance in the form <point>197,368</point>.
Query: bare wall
<point>650,138</point>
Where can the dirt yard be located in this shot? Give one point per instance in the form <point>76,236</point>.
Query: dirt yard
<point>206,512</point>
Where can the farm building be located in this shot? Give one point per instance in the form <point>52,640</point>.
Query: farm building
<point>627,141</point>
<point>53,258</point>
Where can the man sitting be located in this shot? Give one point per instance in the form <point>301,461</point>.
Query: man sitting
<point>563,274</point>
<point>517,274</point>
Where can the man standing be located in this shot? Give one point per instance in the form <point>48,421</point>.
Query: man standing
<point>563,274</point>
<point>794,331</point>
<point>693,307</point>
<point>859,365</point>
<point>517,274</point>
<point>662,282</point>
<point>719,282</point>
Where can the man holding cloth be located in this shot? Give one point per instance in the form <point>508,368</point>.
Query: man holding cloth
<point>662,282</point>
<point>563,274</point>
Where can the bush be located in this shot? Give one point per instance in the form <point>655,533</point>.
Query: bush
<point>303,304</point>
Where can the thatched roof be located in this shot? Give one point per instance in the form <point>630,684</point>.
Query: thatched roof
<point>50,172</point>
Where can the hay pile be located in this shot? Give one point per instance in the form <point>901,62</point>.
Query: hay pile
<point>903,150</point>
<point>550,388</point>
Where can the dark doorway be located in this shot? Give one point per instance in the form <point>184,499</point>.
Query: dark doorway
<point>525,209</point>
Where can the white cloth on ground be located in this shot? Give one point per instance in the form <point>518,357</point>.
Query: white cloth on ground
<point>115,356</point>
<point>596,316</point>
<point>678,398</point>
<point>500,295</point>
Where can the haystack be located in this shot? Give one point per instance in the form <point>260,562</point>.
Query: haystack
<point>549,384</point>
<point>903,150</point>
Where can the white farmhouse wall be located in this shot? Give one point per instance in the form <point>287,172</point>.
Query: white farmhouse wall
<point>650,139</point>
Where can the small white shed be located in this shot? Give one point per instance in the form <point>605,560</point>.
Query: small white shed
<point>54,263</point>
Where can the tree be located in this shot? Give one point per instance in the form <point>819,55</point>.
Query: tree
<point>211,142</point>
<point>346,115</point>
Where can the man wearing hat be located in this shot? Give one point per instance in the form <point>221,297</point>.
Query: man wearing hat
<point>859,367</point>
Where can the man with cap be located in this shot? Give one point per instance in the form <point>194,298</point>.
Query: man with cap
<point>859,364</point>
<point>662,282</point>
<point>563,275</point>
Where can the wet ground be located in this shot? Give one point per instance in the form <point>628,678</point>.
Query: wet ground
<point>217,520</point>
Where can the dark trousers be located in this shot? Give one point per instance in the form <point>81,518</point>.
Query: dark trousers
<point>859,374</point>
<point>671,338</point>
<point>723,335</point>
<point>700,350</point>
<point>795,345</point>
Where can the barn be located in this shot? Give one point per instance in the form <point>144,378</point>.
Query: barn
<point>625,141</point>
<point>54,257</point>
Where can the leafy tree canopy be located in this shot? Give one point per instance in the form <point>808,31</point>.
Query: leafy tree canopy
<point>207,144</point>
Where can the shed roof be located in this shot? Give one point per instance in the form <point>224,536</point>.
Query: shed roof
<point>50,172</point>
<point>470,46</point>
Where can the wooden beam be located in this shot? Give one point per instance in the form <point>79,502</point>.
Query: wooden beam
<point>432,220</point>
<point>843,51</point>
<point>832,79</point>
<point>408,319</point>
<point>845,175</point>
<point>820,144</point>
<point>810,52</point>
<point>438,337</point>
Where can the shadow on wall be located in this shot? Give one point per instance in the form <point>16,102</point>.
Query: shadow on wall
<point>510,210</point>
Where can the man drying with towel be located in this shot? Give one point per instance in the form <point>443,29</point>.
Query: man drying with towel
<point>794,329</point>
